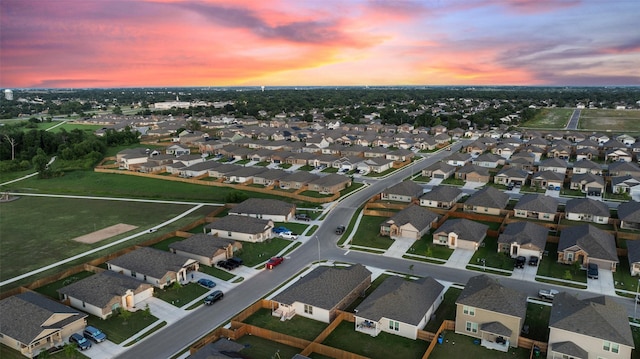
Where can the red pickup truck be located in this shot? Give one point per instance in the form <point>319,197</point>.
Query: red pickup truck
<point>274,261</point>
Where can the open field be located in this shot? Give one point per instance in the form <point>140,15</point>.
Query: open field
<point>41,229</point>
<point>550,118</point>
<point>620,121</point>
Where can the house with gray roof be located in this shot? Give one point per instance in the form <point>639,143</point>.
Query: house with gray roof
<point>331,183</point>
<point>473,173</point>
<point>399,306</point>
<point>269,177</point>
<point>488,160</point>
<point>625,184</point>
<point>410,223</point>
<point>458,159</point>
<point>103,294</point>
<point>624,169</point>
<point>156,267</point>
<point>633,255</point>
<point>241,228</point>
<point>547,179</point>
<point>441,197</point>
<point>523,239</point>
<point>460,233</point>
<point>511,175</point>
<point>265,208</point>
<point>596,327</point>
<point>375,165</point>
<point>488,200</point>
<point>587,166</point>
<point>553,164</point>
<point>297,180</point>
<point>588,183</point>
<point>536,206</point>
<point>629,215</point>
<point>587,210</point>
<point>320,293</point>
<point>405,191</point>
<point>587,244</point>
<point>32,323</point>
<point>440,170</point>
<point>490,312</point>
<point>205,248</point>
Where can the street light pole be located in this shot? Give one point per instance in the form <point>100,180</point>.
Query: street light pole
<point>635,301</point>
<point>318,240</point>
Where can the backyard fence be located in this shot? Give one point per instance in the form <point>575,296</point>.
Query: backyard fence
<point>446,325</point>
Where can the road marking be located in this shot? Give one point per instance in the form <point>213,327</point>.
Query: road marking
<point>347,252</point>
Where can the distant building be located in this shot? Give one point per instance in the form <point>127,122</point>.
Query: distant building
<point>8,95</point>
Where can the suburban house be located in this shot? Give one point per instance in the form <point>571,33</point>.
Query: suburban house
<point>511,175</point>
<point>488,200</point>
<point>177,150</point>
<point>488,160</point>
<point>624,169</point>
<point>490,312</point>
<point>103,294</point>
<point>331,183</point>
<point>458,159</point>
<point>460,233</point>
<point>473,173</point>
<point>32,323</point>
<point>629,215</point>
<point>633,255</point>
<point>441,197</point>
<point>320,293</point>
<point>406,191</point>
<point>241,228</point>
<point>399,306</point>
<point>588,183</point>
<point>587,244</point>
<point>523,160</point>
<point>440,170</point>
<point>548,179</point>
<point>523,239</point>
<point>156,267</point>
<point>264,208</point>
<point>624,184</point>
<point>375,165</point>
<point>589,328</point>
<point>536,206</point>
<point>587,210</point>
<point>553,164</point>
<point>618,155</point>
<point>205,248</point>
<point>412,222</point>
<point>586,166</point>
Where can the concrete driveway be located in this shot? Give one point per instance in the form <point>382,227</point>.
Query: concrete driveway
<point>435,182</point>
<point>604,284</point>
<point>473,185</point>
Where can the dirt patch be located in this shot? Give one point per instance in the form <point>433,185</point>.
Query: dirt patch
<point>105,233</point>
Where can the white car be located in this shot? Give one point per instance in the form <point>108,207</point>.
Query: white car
<point>288,235</point>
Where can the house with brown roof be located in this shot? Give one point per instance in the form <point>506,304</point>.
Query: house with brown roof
<point>32,323</point>
<point>205,248</point>
<point>587,244</point>
<point>536,206</point>
<point>488,200</point>
<point>523,239</point>
<point>460,233</point>
<point>441,197</point>
<point>156,267</point>
<point>265,208</point>
<point>399,306</point>
<point>490,312</point>
<point>596,327</point>
<point>103,294</point>
<point>241,228</point>
<point>411,223</point>
<point>319,294</point>
<point>405,191</point>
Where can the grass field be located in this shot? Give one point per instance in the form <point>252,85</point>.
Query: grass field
<point>550,118</point>
<point>33,226</point>
<point>621,121</point>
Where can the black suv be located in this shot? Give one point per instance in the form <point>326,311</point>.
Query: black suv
<point>235,261</point>
<point>340,229</point>
<point>520,261</point>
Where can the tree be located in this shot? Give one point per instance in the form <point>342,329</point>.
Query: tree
<point>117,110</point>
<point>125,315</point>
<point>70,350</point>
<point>567,275</point>
<point>12,142</point>
<point>40,161</point>
<point>147,310</point>
<point>429,252</point>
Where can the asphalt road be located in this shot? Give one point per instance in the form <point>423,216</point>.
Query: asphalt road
<point>573,121</point>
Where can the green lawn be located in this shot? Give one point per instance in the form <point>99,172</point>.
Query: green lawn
<point>550,118</point>
<point>118,329</point>
<point>425,247</point>
<point>383,346</point>
<point>50,290</point>
<point>493,259</point>
<point>538,320</point>
<point>180,295</point>
<point>260,348</point>
<point>461,346</point>
<point>255,253</point>
<point>622,121</point>
<point>604,227</point>
<point>8,176</point>
<point>453,181</point>
<point>164,245</point>
<point>298,326</point>
<point>218,273</point>
<point>368,235</point>
<point>8,353</point>
<point>622,278</point>
<point>446,310</point>
<point>549,266</point>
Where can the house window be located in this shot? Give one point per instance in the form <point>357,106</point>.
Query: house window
<point>545,216</point>
<point>133,274</point>
<point>472,327</point>
<point>610,347</point>
<point>393,325</point>
<point>442,239</point>
<point>308,309</point>
<point>469,310</point>
<point>570,257</point>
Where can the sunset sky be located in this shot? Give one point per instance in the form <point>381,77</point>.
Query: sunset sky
<point>152,43</point>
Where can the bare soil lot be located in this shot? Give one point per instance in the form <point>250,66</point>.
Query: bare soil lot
<point>105,233</point>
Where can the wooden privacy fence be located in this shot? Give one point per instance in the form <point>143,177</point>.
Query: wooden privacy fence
<point>446,325</point>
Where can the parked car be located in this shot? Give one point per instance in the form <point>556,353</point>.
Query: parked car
<point>303,217</point>
<point>288,235</point>
<point>533,261</point>
<point>215,296</point>
<point>206,282</point>
<point>510,185</point>
<point>80,341</point>
<point>274,261</point>
<point>340,229</point>
<point>280,229</point>
<point>547,293</point>
<point>236,261</point>
<point>94,334</point>
<point>520,261</point>
<point>592,271</point>
<point>225,264</point>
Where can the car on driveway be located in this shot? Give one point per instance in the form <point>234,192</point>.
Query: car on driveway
<point>94,334</point>
<point>288,235</point>
<point>303,217</point>
<point>208,283</point>
<point>533,261</point>
<point>215,296</point>
<point>592,271</point>
<point>235,261</point>
<point>274,261</point>
<point>280,229</point>
<point>80,341</point>
<point>520,261</point>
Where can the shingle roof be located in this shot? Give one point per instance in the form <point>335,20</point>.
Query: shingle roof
<point>443,166</point>
<point>486,293</point>
<point>527,234</point>
<point>599,317</point>
<point>458,156</point>
<point>488,197</point>
<point>629,211</point>
<point>586,163</point>
<point>400,299</point>
<point>240,224</point>
<point>513,172</point>
<point>101,288</point>
<point>549,175</point>
<point>633,251</point>
<point>405,188</point>
<point>421,218</point>
<point>587,206</point>
<point>331,179</point>
<point>587,177</point>
<point>553,162</point>
<point>23,316</point>
<point>596,242</point>
<point>150,261</point>
<point>442,193</point>
<point>470,168</point>
<point>571,349</point>
<point>324,287</point>
<point>202,244</point>
<point>496,328</point>
<point>465,229</point>
<point>537,203</point>
<point>263,206</point>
